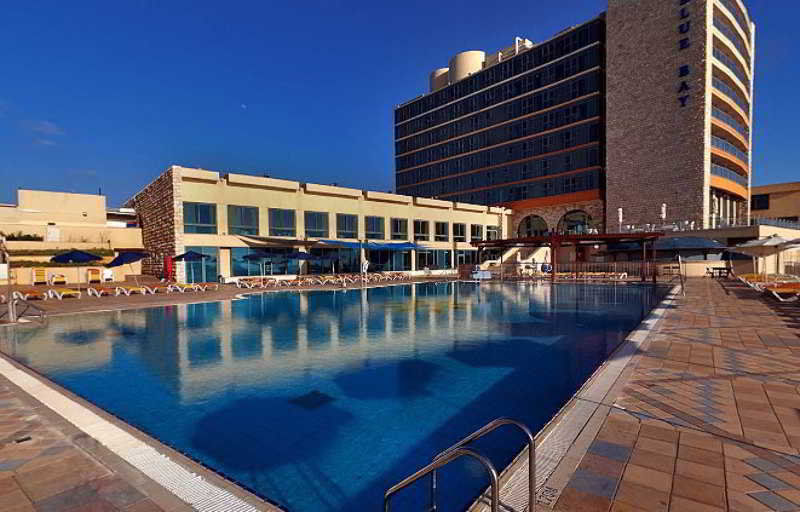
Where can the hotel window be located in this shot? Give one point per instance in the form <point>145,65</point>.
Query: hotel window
<point>476,232</point>
<point>759,202</point>
<point>442,232</point>
<point>459,232</point>
<point>399,229</point>
<point>316,224</point>
<point>373,227</point>
<point>281,222</point>
<point>421,230</point>
<point>242,220</point>
<point>200,218</point>
<point>346,225</point>
<point>492,232</point>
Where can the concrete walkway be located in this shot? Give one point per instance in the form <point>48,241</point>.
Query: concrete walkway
<point>709,418</point>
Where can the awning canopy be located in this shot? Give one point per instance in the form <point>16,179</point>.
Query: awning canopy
<point>263,241</point>
<point>373,246</point>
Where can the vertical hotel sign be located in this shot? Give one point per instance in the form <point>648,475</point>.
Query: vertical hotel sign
<point>684,42</point>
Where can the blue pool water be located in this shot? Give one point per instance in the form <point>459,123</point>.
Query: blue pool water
<point>319,401</point>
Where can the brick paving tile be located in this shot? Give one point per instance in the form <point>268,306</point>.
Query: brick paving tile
<point>713,402</point>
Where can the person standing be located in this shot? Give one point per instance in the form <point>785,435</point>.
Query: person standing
<point>364,268</point>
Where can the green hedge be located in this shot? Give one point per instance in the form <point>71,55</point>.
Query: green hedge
<point>48,264</point>
<point>19,236</point>
<point>53,252</point>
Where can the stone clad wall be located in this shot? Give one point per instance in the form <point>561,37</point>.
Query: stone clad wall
<point>552,214</point>
<point>160,211</point>
<point>656,148</point>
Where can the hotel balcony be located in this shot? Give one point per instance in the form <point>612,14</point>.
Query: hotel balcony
<point>730,155</point>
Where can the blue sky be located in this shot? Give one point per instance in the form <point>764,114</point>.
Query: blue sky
<point>108,94</point>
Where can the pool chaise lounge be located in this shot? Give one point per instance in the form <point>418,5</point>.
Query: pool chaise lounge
<point>129,290</point>
<point>60,293</point>
<point>30,293</point>
<point>102,291</point>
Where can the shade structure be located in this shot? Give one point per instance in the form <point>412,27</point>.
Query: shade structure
<point>126,258</point>
<point>191,256</point>
<point>762,248</point>
<point>75,256</point>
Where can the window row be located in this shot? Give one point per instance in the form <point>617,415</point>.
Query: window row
<point>243,220</point>
<point>555,164</point>
<point>543,122</point>
<point>580,182</point>
<point>583,61</point>
<point>525,61</point>
<point>564,139</point>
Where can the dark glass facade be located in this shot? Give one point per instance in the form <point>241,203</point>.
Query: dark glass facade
<point>527,127</point>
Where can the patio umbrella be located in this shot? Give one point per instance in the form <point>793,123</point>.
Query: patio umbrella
<point>127,258</point>
<point>191,256</point>
<point>76,256</point>
<point>762,248</point>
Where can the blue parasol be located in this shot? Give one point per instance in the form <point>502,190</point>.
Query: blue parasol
<point>75,256</point>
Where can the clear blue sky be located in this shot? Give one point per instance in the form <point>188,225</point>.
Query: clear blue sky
<point>108,94</point>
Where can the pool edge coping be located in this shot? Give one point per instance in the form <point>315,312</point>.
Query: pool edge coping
<point>126,449</point>
<point>580,418</point>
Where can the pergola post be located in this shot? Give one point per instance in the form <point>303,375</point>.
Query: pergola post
<point>644,258</point>
<point>554,244</point>
<point>655,267</point>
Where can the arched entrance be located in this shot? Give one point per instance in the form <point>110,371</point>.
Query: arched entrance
<point>532,225</point>
<point>575,222</point>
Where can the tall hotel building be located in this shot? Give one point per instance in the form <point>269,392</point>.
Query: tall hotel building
<point>649,104</point>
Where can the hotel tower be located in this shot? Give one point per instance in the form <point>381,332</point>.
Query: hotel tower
<point>639,116</point>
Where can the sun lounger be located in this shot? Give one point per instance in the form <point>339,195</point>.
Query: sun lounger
<point>60,293</point>
<point>158,288</point>
<point>183,288</point>
<point>102,291</point>
<point>38,276</point>
<point>249,282</point>
<point>93,275</point>
<point>203,287</point>
<point>784,293</point>
<point>29,293</point>
<point>130,290</point>
<point>57,279</point>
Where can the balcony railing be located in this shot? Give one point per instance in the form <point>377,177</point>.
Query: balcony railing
<point>730,121</point>
<point>734,37</point>
<point>728,174</point>
<point>727,147</point>
<point>734,66</point>
<point>685,225</point>
<point>734,9</point>
<point>732,94</point>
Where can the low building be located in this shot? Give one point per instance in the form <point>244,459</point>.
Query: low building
<point>779,201</point>
<point>252,225</point>
<point>42,224</point>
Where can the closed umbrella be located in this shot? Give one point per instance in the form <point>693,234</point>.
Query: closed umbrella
<point>191,256</point>
<point>762,248</point>
<point>76,256</point>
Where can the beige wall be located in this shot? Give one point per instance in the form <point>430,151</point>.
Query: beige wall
<point>74,275</point>
<point>784,200</point>
<point>40,207</point>
<point>197,185</point>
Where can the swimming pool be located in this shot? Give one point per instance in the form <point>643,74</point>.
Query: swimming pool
<point>319,401</point>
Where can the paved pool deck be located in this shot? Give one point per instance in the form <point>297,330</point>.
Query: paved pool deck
<point>705,416</point>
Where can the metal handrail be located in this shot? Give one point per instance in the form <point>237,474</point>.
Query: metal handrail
<point>42,314</point>
<point>486,429</point>
<point>442,461</point>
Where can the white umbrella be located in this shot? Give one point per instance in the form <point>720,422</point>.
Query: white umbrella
<point>762,248</point>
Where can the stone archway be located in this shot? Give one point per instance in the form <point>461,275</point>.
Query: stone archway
<point>532,225</point>
<point>575,222</point>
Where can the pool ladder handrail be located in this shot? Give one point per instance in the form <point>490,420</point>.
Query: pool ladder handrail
<point>458,450</point>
